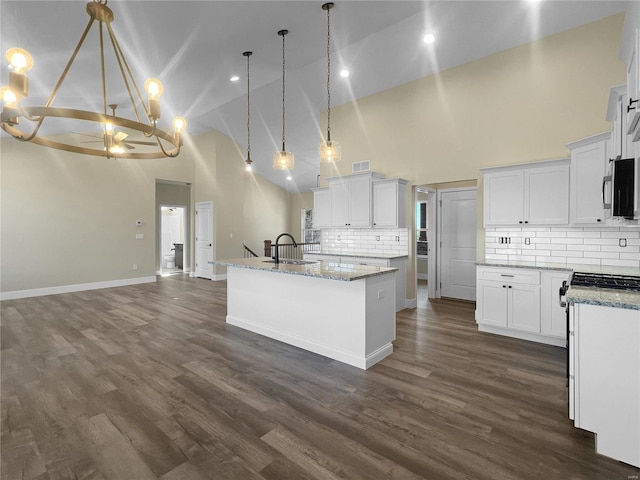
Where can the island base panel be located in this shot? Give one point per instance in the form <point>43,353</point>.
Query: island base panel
<point>352,322</point>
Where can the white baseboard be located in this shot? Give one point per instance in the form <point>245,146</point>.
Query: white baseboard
<point>39,292</point>
<point>410,303</point>
<point>423,276</point>
<point>217,278</point>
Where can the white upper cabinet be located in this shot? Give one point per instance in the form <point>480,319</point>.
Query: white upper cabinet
<point>588,167</point>
<point>321,208</point>
<point>536,194</point>
<point>351,200</point>
<point>504,197</point>
<point>632,105</point>
<point>389,203</point>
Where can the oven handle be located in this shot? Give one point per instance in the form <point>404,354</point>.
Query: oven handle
<point>562,294</point>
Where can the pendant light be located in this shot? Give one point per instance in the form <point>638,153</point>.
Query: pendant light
<point>283,160</point>
<point>248,161</point>
<point>329,150</point>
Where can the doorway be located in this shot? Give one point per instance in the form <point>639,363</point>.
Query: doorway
<point>445,234</point>
<point>172,239</point>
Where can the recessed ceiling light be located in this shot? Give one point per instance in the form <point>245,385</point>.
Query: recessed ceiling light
<point>429,38</point>
<point>234,78</point>
<point>344,73</point>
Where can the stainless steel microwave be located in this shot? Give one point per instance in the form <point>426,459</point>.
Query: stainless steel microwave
<point>618,197</point>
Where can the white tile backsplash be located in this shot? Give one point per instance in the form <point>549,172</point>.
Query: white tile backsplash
<point>361,241</point>
<point>566,245</point>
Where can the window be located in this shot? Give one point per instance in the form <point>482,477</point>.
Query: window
<point>309,234</point>
<point>421,228</point>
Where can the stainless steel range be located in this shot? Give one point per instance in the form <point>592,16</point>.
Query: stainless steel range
<point>601,280</point>
<point>594,280</point>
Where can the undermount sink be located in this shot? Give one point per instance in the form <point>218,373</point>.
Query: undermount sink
<point>291,261</point>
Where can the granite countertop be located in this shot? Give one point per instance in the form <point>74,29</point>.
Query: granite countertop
<point>604,297</point>
<point>383,256</point>
<point>329,270</point>
<point>606,269</point>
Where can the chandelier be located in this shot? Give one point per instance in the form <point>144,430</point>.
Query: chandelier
<point>329,150</point>
<point>113,136</point>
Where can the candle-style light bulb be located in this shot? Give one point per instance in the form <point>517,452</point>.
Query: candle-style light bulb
<point>154,89</point>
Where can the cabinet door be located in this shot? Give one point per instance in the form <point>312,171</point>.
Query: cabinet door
<point>385,204</point>
<point>503,198</point>
<point>588,165</point>
<point>524,307</point>
<point>339,201</point>
<point>492,303</point>
<point>360,202</point>
<point>553,321</point>
<point>546,200</point>
<point>321,209</point>
<point>633,92</point>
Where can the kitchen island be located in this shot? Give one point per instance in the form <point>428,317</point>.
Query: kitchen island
<point>342,311</point>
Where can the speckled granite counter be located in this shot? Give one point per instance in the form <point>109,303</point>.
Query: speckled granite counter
<point>383,256</point>
<point>633,271</point>
<point>333,271</point>
<point>604,297</point>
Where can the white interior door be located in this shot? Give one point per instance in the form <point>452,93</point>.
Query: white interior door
<point>204,240</point>
<point>458,243</point>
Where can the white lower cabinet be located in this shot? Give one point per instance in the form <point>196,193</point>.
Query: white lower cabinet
<point>516,302</point>
<point>399,263</point>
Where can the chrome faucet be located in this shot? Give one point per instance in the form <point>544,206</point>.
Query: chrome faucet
<point>276,258</point>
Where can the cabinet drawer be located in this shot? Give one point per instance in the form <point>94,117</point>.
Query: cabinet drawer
<point>511,275</point>
<point>378,262</point>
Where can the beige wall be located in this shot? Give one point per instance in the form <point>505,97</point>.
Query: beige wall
<point>266,212</point>
<point>69,219</point>
<point>521,105</point>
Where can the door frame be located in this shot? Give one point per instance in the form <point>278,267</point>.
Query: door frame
<point>432,290</point>
<point>439,228</point>
<point>185,235</point>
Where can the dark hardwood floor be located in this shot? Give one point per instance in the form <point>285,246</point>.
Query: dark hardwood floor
<point>148,382</point>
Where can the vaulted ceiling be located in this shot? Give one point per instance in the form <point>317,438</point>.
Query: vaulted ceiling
<point>194,47</point>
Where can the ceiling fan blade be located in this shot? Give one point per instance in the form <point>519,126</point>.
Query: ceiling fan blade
<point>141,143</point>
<point>87,135</point>
<point>118,137</point>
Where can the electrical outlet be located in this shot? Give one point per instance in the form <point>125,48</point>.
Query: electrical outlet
<point>527,241</point>
<point>377,238</point>
<point>135,266</point>
<point>139,236</point>
<point>380,294</point>
<point>622,242</point>
<point>397,238</point>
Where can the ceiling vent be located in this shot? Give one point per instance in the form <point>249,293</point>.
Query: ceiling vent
<point>362,166</point>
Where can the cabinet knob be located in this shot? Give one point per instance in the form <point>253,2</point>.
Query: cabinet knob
<point>598,220</point>
<point>504,286</point>
<point>526,221</point>
<point>509,286</point>
<point>631,102</point>
<point>520,221</point>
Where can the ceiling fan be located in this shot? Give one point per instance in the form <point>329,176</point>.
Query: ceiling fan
<point>114,141</point>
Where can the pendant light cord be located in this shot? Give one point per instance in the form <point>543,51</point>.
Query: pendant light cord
<point>328,75</point>
<point>248,54</point>
<point>283,33</point>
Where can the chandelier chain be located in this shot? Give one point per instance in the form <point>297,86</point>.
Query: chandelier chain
<point>328,76</point>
